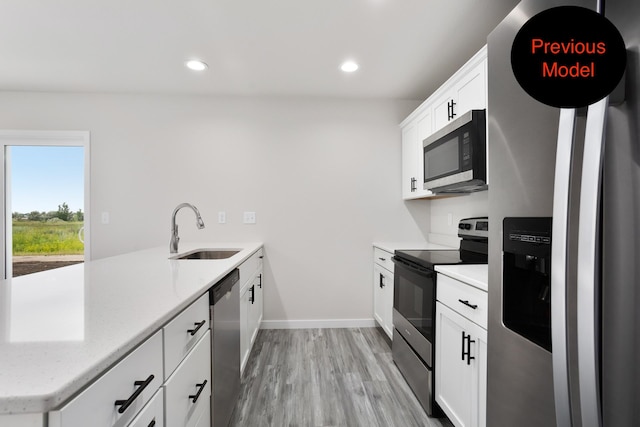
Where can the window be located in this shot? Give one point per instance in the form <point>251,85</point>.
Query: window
<point>45,193</point>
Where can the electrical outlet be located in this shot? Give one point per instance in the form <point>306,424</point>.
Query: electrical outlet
<point>222,217</point>
<point>249,217</point>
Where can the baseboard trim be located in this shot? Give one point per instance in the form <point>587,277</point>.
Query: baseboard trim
<point>320,323</point>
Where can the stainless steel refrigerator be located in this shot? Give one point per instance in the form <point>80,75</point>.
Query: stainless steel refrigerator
<point>569,180</point>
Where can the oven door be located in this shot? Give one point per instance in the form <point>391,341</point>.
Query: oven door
<point>415,296</point>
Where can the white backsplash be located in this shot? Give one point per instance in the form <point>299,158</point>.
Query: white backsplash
<point>447,213</point>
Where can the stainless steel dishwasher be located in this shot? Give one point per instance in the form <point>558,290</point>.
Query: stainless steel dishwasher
<point>224,311</point>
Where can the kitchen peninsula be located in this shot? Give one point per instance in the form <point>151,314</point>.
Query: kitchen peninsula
<point>61,330</point>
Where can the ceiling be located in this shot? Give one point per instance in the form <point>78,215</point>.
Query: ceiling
<point>405,48</point>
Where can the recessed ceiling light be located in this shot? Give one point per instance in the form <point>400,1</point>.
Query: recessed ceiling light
<point>196,65</point>
<point>349,66</point>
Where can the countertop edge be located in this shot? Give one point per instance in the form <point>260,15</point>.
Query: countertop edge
<point>393,246</point>
<point>475,275</point>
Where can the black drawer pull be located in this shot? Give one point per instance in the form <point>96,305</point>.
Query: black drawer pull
<point>466,302</point>
<point>152,423</point>
<point>252,298</point>
<point>198,326</point>
<point>195,397</point>
<point>382,259</point>
<point>260,280</point>
<point>124,404</point>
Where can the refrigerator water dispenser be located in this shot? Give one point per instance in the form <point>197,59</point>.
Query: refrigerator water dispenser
<point>526,303</point>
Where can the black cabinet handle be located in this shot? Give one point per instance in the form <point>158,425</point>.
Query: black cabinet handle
<point>467,353</point>
<point>261,256</point>
<point>382,259</point>
<point>124,404</point>
<point>413,184</point>
<point>195,397</point>
<point>198,326</point>
<point>462,346</point>
<point>253,294</point>
<point>469,356</point>
<point>466,302</point>
<point>152,423</point>
<point>381,280</point>
<point>260,280</point>
<point>450,111</point>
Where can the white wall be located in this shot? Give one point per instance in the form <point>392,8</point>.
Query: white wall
<point>465,206</point>
<point>323,176</point>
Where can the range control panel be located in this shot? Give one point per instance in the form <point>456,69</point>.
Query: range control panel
<point>474,227</point>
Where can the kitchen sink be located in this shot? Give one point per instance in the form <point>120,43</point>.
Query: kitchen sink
<point>208,254</point>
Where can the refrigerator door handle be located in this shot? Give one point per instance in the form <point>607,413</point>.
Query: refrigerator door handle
<point>588,264</point>
<point>559,242</point>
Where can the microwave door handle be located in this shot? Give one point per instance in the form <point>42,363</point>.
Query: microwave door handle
<point>559,243</point>
<point>412,267</point>
<point>588,266</point>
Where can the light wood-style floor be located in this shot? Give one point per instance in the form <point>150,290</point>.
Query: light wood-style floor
<point>326,377</point>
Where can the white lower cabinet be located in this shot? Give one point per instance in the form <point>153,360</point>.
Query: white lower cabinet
<point>117,396</point>
<point>256,308</point>
<point>148,389</point>
<point>151,415</point>
<point>461,365</point>
<point>183,332</point>
<point>251,309</point>
<point>188,390</point>
<point>251,305</point>
<point>383,290</point>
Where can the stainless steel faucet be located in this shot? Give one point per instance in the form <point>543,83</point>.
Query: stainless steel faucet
<point>173,246</point>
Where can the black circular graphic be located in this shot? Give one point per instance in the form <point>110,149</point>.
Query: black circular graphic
<point>568,57</point>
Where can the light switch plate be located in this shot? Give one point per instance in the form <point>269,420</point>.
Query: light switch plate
<point>222,217</point>
<point>105,217</point>
<point>249,217</point>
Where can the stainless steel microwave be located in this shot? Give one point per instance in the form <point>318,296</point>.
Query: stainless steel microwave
<point>455,157</point>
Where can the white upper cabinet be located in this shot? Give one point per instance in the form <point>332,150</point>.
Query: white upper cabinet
<point>412,159</point>
<point>465,90</point>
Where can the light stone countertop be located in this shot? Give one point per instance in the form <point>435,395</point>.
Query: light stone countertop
<point>392,246</point>
<point>476,275</point>
<point>61,329</point>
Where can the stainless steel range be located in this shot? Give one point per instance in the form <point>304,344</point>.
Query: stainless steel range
<point>414,306</point>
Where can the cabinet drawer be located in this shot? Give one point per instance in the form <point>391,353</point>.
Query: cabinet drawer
<point>383,258</point>
<point>195,369</point>
<point>97,402</point>
<point>178,338</point>
<point>152,414</point>
<point>452,293</point>
<point>248,267</point>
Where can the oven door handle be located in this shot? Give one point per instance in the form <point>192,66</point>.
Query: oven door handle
<point>412,267</point>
